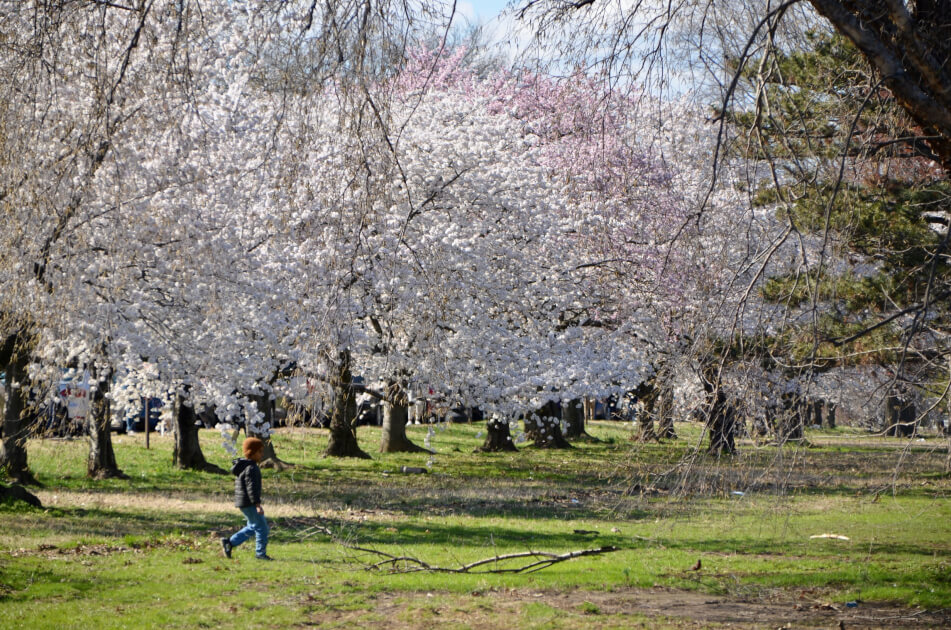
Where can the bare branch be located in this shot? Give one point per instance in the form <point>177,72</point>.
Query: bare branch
<point>543,559</point>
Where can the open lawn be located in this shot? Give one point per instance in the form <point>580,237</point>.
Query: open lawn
<point>701,542</point>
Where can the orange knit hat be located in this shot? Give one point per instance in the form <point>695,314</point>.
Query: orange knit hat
<point>251,446</point>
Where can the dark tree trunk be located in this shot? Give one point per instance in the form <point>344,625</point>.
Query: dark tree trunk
<point>395,418</point>
<point>101,462</point>
<point>269,458</point>
<point>816,418</point>
<point>186,453</point>
<point>590,406</point>
<point>645,424</point>
<point>910,53</point>
<point>544,427</point>
<point>765,424</point>
<point>899,417</point>
<point>789,424</point>
<point>343,436</point>
<point>830,414</point>
<point>13,456</point>
<point>722,426</point>
<point>665,415</point>
<point>646,394</point>
<point>573,414</point>
<point>498,437</point>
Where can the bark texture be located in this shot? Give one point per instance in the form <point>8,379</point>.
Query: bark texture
<point>900,417</point>
<point>343,436</point>
<point>573,415</point>
<point>498,437</point>
<point>830,414</point>
<point>187,453</point>
<point>665,415</point>
<point>721,422</point>
<point>13,455</point>
<point>395,418</point>
<point>790,423</point>
<point>647,394</point>
<point>543,427</point>
<point>910,51</point>
<point>101,462</point>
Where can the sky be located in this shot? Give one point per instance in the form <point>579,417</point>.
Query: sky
<point>481,10</point>
<point>501,30</point>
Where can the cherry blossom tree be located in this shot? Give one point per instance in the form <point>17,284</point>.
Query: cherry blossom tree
<point>742,56</point>
<point>524,256</point>
<point>140,200</point>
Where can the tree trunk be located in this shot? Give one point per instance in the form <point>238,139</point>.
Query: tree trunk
<point>186,453</point>
<point>269,458</point>
<point>817,412</point>
<point>910,53</point>
<point>647,396</point>
<point>789,424</point>
<point>830,414</point>
<point>543,427</point>
<point>665,415</point>
<point>395,418</point>
<point>645,424</point>
<point>343,436</point>
<point>498,437</point>
<point>722,426</point>
<point>899,417</point>
<point>573,414</point>
<point>590,407</point>
<point>13,457</point>
<point>101,462</point>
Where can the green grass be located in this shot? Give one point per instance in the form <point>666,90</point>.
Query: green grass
<point>144,552</point>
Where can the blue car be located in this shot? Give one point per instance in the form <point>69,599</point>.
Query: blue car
<point>136,420</point>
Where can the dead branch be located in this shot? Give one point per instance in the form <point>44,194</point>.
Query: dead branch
<point>410,564</point>
<point>307,527</point>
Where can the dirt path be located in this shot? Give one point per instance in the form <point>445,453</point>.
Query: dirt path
<point>127,500</point>
<point>629,607</point>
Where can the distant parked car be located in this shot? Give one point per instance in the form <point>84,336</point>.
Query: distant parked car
<point>135,420</point>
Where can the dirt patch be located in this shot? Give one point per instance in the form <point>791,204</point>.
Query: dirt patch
<point>776,613</point>
<point>53,551</point>
<point>157,501</point>
<point>178,543</point>
<point>647,608</point>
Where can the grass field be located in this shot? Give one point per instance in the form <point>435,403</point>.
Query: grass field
<point>144,552</point>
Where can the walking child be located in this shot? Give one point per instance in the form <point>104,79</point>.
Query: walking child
<point>247,498</point>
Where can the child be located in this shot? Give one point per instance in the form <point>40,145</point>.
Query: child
<point>247,498</point>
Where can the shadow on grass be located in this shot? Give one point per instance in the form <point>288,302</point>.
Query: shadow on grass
<point>98,523</point>
<point>28,581</point>
<point>407,533</point>
<point>779,548</point>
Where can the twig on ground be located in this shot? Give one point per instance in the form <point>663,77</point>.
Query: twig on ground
<point>307,527</point>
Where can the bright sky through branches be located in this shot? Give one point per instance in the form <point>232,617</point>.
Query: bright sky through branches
<point>480,10</point>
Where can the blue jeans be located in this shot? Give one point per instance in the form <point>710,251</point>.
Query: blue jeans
<point>257,525</point>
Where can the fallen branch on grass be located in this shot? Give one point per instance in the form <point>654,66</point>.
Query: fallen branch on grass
<point>307,527</point>
<point>543,560</point>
